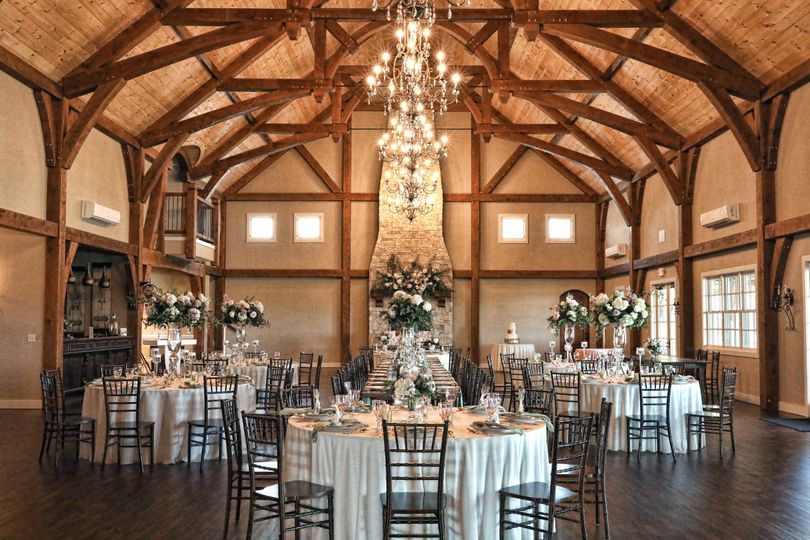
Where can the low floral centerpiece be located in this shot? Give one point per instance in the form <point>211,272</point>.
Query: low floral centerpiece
<point>654,346</point>
<point>240,314</point>
<point>620,312</point>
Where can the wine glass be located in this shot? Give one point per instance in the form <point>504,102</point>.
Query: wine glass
<point>348,386</point>
<point>337,405</point>
<point>493,405</point>
<point>378,407</point>
<point>521,400</point>
<point>446,410</point>
<point>316,400</point>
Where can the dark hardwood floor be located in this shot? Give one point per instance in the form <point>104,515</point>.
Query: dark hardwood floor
<point>761,492</point>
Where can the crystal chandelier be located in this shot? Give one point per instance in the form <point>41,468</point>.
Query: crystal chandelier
<point>413,85</point>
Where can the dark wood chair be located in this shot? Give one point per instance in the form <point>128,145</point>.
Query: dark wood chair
<point>713,381</point>
<point>108,370</point>
<point>59,425</point>
<point>216,389</point>
<point>506,376</point>
<point>516,366</point>
<point>654,393</point>
<point>269,398</point>
<point>305,368</point>
<point>298,397</point>
<point>122,400</point>
<point>539,401</point>
<point>337,388</point>
<point>533,374</point>
<point>590,365</point>
<point>716,419</point>
<point>540,503</point>
<point>269,493</point>
<point>317,381</point>
<point>565,388</point>
<point>493,386</point>
<point>414,452</point>
<point>238,474</point>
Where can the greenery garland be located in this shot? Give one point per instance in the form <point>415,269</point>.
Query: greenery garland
<point>413,278</point>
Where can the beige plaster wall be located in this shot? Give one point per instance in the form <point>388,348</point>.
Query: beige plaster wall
<point>98,175</point>
<point>284,253</point>
<point>457,233</point>
<point>288,174</point>
<point>657,212</point>
<point>22,312</point>
<point>22,153</point>
<point>723,177</point>
<point>616,232</point>
<point>304,314</point>
<point>364,233</point>
<point>537,254</point>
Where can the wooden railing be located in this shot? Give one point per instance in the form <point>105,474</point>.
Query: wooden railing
<point>205,220</point>
<point>174,213</point>
<point>184,212</point>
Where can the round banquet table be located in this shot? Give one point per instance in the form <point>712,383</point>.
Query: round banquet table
<point>685,398</point>
<point>257,372</point>
<point>520,350</point>
<point>170,409</point>
<point>476,468</point>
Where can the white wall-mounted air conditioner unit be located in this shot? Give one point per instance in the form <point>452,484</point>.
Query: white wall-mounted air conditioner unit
<point>616,252</point>
<point>96,213</point>
<point>719,217</point>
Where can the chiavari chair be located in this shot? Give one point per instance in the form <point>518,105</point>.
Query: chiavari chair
<point>506,374</point>
<point>516,366</point>
<point>713,379</point>
<point>305,362</point>
<point>59,424</point>
<point>122,400</point>
<point>216,389</point>
<point>716,419</point>
<point>108,370</point>
<point>654,393</point>
<point>566,390</point>
<point>533,373</point>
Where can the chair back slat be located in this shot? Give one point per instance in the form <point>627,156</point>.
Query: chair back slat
<point>570,449</point>
<point>305,361</point>
<point>122,399</point>
<point>539,401</point>
<point>218,388</point>
<point>233,435</point>
<point>566,393</point>
<point>533,376</point>
<point>264,443</point>
<point>654,393</point>
<point>727,389</point>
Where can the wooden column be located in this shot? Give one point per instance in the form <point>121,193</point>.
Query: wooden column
<point>475,247</point>
<point>769,117</point>
<point>685,285</point>
<point>635,277</point>
<point>191,221</point>
<point>53,117</point>
<point>134,162</point>
<point>346,250</point>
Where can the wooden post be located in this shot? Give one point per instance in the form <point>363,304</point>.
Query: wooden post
<point>346,249</point>
<point>475,247</point>
<point>685,286</point>
<point>635,277</point>
<point>191,220</point>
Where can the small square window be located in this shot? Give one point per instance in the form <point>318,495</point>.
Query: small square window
<point>560,228</point>
<point>513,228</point>
<point>309,227</point>
<point>261,227</point>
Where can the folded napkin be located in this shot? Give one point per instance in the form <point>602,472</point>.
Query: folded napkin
<point>345,426</point>
<point>290,411</point>
<point>480,409</point>
<point>529,418</point>
<point>491,428</point>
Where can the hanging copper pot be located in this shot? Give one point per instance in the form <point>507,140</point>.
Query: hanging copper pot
<point>104,282</point>
<point>88,277</point>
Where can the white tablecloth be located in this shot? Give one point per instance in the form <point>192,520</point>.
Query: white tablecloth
<point>476,468</point>
<point>258,373</point>
<point>170,409</point>
<point>443,358</point>
<point>686,397</point>
<point>520,350</point>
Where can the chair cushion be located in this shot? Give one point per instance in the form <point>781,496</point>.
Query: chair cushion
<point>416,502</point>
<point>295,490</point>
<point>538,491</point>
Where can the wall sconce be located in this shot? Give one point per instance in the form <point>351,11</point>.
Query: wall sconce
<point>783,302</point>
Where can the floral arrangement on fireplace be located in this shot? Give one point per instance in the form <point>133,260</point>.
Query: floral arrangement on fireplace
<point>409,311</point>
<point>413,278</point>
<point>173,308</point>
<point>247,312</point>
<point>568,312</point>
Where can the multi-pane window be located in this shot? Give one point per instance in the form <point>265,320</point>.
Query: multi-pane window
<point>730,310</point>
<point>662,316</point>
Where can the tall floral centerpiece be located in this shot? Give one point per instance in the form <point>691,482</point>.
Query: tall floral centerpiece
<point>239,314</point>
<point>567,315</point>
<point>621,312</point>
<point>173,311</point>
<point>408,313</point>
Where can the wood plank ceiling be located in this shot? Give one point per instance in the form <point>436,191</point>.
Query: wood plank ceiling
<point>618,121</point>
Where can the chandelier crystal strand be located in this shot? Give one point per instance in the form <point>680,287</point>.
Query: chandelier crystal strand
<point>413,84</point>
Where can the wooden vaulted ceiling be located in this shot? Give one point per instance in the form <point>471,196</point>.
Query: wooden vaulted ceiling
<point>632,83</point>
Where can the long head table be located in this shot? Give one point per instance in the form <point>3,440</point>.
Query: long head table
<point>377,386</point>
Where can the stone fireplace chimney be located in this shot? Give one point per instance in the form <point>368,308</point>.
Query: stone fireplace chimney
<point>421,239</point>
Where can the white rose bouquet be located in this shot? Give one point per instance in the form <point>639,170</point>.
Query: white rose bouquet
<point>617,309</point>
<point>247,312</point>
<point>568,312</point>
<point>173,308</point>
<point>409,311</point>
<point>654,346</point>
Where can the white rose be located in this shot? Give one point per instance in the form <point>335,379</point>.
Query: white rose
<point>617,303</point>
<point>572,316</point>
<point>638,308</point>
<point>232,314</point>
<point>171,299</point>
<point>603,319</point>
<point>626,320</point>
<point>644,314</point>
<point>259,307</point>
<point>242,317</point>
<point>634,315</point>
<point>230,302</point>
<point>416,299</point>
<point>427,306</point>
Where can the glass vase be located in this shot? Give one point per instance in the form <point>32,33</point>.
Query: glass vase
<point>568,335</point>
<point>619,338</point>
<point>240,335</point>
<point>174,342</point>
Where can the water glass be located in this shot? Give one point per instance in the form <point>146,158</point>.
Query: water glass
<point>378,407</point>
<point>348,386</point>
<point>316,400</point>
<point>337,405</point>
<point>276,355</point>
<point>446,410</point>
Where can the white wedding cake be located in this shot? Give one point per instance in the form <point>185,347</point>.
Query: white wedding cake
<point>511,334</point>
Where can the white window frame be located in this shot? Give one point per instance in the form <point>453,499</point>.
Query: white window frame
<point>806,282</point>
<point>570,217</point>
<point>738,351</point>
<point>524,240</point>
<point>299,215</point>
<point>671,316</point>
<point>250,216</point>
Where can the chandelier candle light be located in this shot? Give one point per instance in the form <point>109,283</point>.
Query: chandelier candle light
<point>413,84</point>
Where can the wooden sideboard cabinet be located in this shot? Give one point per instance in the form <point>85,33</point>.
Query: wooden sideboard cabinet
<point>83,357</point>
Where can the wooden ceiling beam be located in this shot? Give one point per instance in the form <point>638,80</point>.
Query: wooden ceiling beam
<point>671,181</point>
<point>212,184</point>
<point>92,111</point>
<point>609,119</point>
<point>311,127</point>
<point>561,151</point>
<point>251,174</point>
<point>504,169</point>
<point>160,165</point>
<point>275,147</point>
<point>743,132</point>
<point>269,85</point>
<point>622,96</point>
<point>605,18</point>
<point>318,169</point>
<point>209,87</point>
<point>618,197</point>
<point>205,120</point>
<point>129,38</point>
<point>583,137</point>
<point>155,59</point>
<point>739,85</point>
<point>567,173</point>
<point>571,86</point>
<point>520,128</point>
